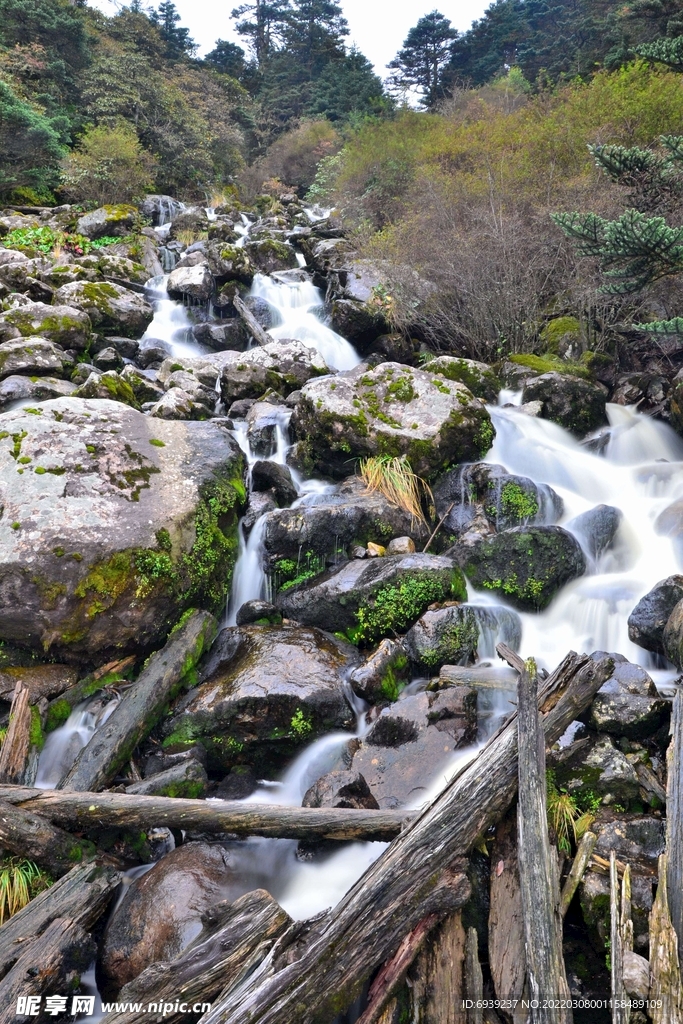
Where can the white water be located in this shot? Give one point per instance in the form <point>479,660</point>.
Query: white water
<point>63,745</point>
<point>171,323</point>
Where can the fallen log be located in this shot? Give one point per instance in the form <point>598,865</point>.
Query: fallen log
<point>224,951</point>
<point>393,972</point>
<point>260,336</point>
<point>92,811</point>
<point>82,896</point>
<point>538,878</point>
<point>17,742</point>
<point>506,924</point>
<point>473,984</point>
<point>142,705</point>
<point>666,989</point>
<point>674,822</point>
<point>578,868</point>
<point>437,978</point>
<point>409,881</point>
<point>26,834</point>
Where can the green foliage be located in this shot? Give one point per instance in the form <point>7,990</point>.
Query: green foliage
<point>301,725</point>
<point>515,504</point>
<point>289,574</point>
<point>550,363</point>
<point>425,55</point>
<point>568,818</point>
<point>20,881</point>
<point>31,144</point>
<point>108,166</point>
<point>396,607</point>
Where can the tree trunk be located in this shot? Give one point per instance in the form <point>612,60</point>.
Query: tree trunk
<point>581,859</point>
<point>30,835</point>
<point>260,336</point>
<point>141,706</point>
<point>419,874</point>
<point>81,896</point>
<point>436,989</point>
<point>506,924</point>
<point>674,822</point>
<point>17,741</point>
<point>93,811</point>
<point>665,973</point>
<point>537,868</point>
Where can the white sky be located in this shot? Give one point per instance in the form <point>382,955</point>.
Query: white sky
<point>378,27</point>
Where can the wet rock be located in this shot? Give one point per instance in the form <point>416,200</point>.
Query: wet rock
<point>33,357</point>
<point>238,784</point>
<point>107,220</point>
<point>391,408</point>
<point>263,420</point>
<point>454,635</point>
<point>384,673</point>
<point>177,404</point>
<point>64,325</point>
<point>505,499</point>
<point>160,209</point>
<point>229,263</point>
<point>573,403</point>
<point>194,283</point>
<point>260,503</point>
<point>648,619</point>
<point>350,517</point>
<point>107,385</point>
<point>192,221</point>
<point>38,389</point>
<point>265,314</point>
<point>107,359</point>
<point>638,840</point>
<point>128,348</point>
<point>628,704</point>
<point>42,680</point>
<point>266,691</point>
<point>594,896</point>
<point>527,565</point>
<point>672,637</point>
<point>269,255</point>
<point>401,546</point>
<point>161,912</point>
<point>113,530</point>
<point>262,613</point>
<point>267,476</point>
<point>111,265</point>
<point>326,254</point>
<point>411,743</point>
<point>595,767</point>
<point>111,307</point>
<point>153,353</point>
<point>341,789</point>
<point>596,528</point>
<point>360,322</point>
<point>186,779</point>
<point>229,335</point>
<point>479,378</point>
<point>144,389</point>
<point>635,975</point>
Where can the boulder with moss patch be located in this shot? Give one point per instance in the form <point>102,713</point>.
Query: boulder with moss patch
<point>456,634</point>
<point>107,385</point>
<point>575,404</point>
<point>113,525</point>
<point>112,308</point>
<point>116,220</point>
<point>478,377</point>
<point>392,410</point>
<point>65,325</point>
<point>269,255</point>
<point>34,357</point>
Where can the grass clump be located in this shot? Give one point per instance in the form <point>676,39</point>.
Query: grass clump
<point>566,818</point>
<point>20,881</point>
<point>394,478</point>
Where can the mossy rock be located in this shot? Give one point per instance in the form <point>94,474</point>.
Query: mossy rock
<point>560,334</point>
<point>479,378</point>
<point>575,404</point>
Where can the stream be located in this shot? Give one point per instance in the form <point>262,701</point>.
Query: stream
<point>638,469</point>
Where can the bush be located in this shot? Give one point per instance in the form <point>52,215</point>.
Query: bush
<point>108,166</point>
<point>293,159</point>
<point>30,145</point>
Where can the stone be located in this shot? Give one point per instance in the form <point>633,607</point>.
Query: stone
<point>384,673</point>
<point>672,637</point>
<point>341,789</point>
<point>32,357</point>
<point>107,220</point>
<point>263,613</point>
<point>411,744</point>
<point>527,565</point>
<point>478,377</point>
<point>373,598</point>
<point>263,422</point>
<point>161,912</point>
<point>111,307</point>
<point>635,975</point>
<point>359,322</point>
<point>594,896</point>
<point>128,348</point>
<point>505,499</point>
<point>573,403</point>
<point>176,404</point>
<point>107,359</point>
<point>111,265</point>
<point>115,524</point>
<point>229,263</point>
<point>64,325</point>
<point>107,385</point>
<point>647,621</point>
<point>401,546</point>
<point>16,388</point>
<point>144,389</point>
<point>269,255</point>
<point>391,408</point>
<point>160,209</point>
<point>265,692</point>
<point>628,704</point>
<point>260,503</point>
<point>185,779</point>
<point>595,767</point>
<point>456,634</point>
<point>375,550</point>
<point>638,840</point>
<point>195,283</point>
<point>191,220</point>
<point>43,681</point>
<point>267,476</point>
<point>229,335</point>
<point>596,529</point>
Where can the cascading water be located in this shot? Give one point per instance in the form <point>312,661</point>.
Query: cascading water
<point>171,324</point>
<point>63,745</point>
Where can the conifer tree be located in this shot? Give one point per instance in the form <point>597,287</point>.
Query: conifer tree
<point>177,39</point>
<point>263,23</point>
<point>425,55</point>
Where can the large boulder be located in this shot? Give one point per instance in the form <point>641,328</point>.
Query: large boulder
<point>628,704</point>
<point>391,410</point>
<point>505,499</point>
<point>596,768</point>
<point>672,637</point>
<point>596,529</point>
<point>33,356</point>
<point>478,377</point>
<point>265,692</point>
<point>114,525</point>
<point>229,262</point>
<point>339,521</point>
<point>112,308</point>
<point>456,634</point>
<point>161,911</point>
<point>647,621</point>
<point>527,566</point>
<point>107,220</point>
<point>368,600</point>
<point>194,283</point>
<point>64,325</point>
<point>269,255</point>
<point>360,322</point>
<point>576,404</point>
<point>109,264</point>
<point>38,389</point>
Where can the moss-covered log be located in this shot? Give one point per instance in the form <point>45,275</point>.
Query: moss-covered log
<point>26,834</point>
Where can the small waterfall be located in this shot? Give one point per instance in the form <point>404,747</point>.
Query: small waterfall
<point>63,745</point>
<point>171,324</point>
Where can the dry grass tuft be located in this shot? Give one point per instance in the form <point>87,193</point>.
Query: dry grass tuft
<point>395,479</point>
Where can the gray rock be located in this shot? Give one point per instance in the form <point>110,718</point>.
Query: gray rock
<point>266,691</point>
<point>111,307</point>
<point>144,389</point>
<point>596,767</point>
<point>628,704</point>
<point>229,263</point>
<point>176,404</point>
<point>573,403</point>
<point>478,377</point>
<point>64,325</point>
<point>160,209</point>
<point>185,779</point>
<point>648,619</point>
<point>383,674</point>
<point>635,975</point>
<point>229,335</point>
<point>391,408</point>
<point>341,789</point>
<point>371,599</point>
<point>269,255</point>
<point>270,475</point>
<point>505,499</point>
<point>360,322</point>
<point>107,359</point>
<point>192,282</point>
<point>33,357</point>
<point>107,220</point>
<point>111,265</point>
<point>107,385</point>
<point>260,612</point>
<point>456,634</point>
<point>263,420</point>
<point>596,529</point>
<point>638,840</point>
<point>260,503</point>
<point>594,896</point>
<point>401,546</point>
<point>126,347</point>
<point>672,637</point>
<point>190,219</point>
<point>16,388</point>
<point>109,513</point>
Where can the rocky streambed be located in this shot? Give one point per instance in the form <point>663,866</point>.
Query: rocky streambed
<point>201,600</point>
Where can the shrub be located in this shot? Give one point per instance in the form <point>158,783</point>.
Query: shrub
<point>109,165</point>
<point>294,157</point>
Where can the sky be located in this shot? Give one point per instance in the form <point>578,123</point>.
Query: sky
<point>378,27</point>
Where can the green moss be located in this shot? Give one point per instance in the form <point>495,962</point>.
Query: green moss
<point>40,470</point>
<point>457,641</point>
<point>58,552</point>
<point>119,390</point>
<point>57,713</point>
<point>515,504</point>
<point>397,606</point>
<point>190,789</point>
<point>482,383</point>
<point>16,447</point>
<point>157,443</point>
<point>561,328</point>
<point>164,539</point>
<point>16,526</point>
<point>33,412</point>
<point>24,460</point>
<point>36,737</point>
<point>548,363</point>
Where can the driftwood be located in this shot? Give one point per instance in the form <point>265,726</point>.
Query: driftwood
<point>674,822</point>
<point>437,975</point>
<point>93,811</point>
<point>620,1011</point>
<point>223,952</point>
<point>82,896</point>
<point>141,706</point>
<point>84,688</point>
<point>419,874</point>
<point>539,883</point>
<point>260,336</point>
<point>30,835</point>
<point>189,774</point>
<point>506,925</point>
<point>578,868</point>
<point>17,742</point>
<point>50,965</point>
<point>473,984</point>
<point>394,971</point>
<point>665,973</point>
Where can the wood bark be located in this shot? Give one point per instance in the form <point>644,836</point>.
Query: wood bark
<point>620,1013</point>
<point>410,880</point>
<point>474,979</point>
<point>665,973</point>
<point>674,822</point>
<point>394,971</point>
<point>83,689</point>
<point>219,956</point>
<point>93,811</point>
<point>141,706</point>
<point>437,991</point>
<point>260,336</point>
<point>82,896</point>
<point>174,779</point>
<point>577,870</point>
<point>30,835</point>
<point>17,741</point>
<point>506,924</point>
<point>538,879</point>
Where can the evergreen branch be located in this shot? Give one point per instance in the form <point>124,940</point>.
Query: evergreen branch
<point>663,51</point>
<point>667,327</point>
<point>586,229</point>
<point>622,164</point>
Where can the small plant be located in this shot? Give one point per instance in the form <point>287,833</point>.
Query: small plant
<point>20,881</point>
<point>395,479</point>
<point>566,818</point>
<point>300,725</point>
<point>188,236</point>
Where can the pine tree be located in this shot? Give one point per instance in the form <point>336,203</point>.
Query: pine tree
<point>664,51</point>
<point>426,53</point>
<point>228,58</point>
<point>263,22</point>
<point>178,41</point>
<point>315,34</point>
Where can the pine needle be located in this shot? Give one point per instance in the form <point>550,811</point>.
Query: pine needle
<point>395,479</point>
